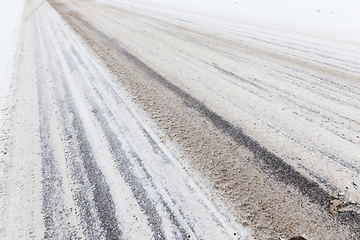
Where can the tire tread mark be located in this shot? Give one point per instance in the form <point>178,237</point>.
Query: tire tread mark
<point>102,198</point>
<point>271,164</point>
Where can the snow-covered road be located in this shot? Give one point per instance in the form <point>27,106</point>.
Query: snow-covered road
<point>135,122</point>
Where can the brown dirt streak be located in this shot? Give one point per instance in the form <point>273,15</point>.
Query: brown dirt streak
<point>254,199</point>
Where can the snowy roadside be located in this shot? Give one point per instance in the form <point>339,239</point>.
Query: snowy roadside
<point>10,19</point>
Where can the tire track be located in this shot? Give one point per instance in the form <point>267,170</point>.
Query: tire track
<point>157,208</point>
<point>105,116</point>
<point>80,160</point>
<point>83,164</point>
<point>54,210</point>
<point>271,164</point>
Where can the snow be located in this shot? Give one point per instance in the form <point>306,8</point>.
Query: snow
<point>334,19</point>
<point>330,20</point>
<point>323,27</point>
<point>10,18</point>
<point>65,65</point>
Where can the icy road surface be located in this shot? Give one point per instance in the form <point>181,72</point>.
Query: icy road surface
<point>135,123</point>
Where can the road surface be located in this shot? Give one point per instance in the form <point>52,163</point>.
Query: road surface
<point>132,123</point>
